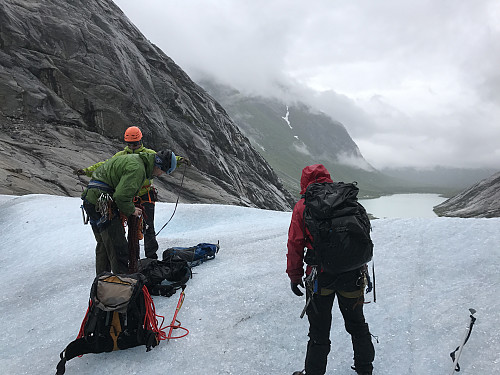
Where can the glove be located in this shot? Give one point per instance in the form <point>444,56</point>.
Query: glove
<point>79,172</point>
<point>295,288</point>
<point>183,160</point>
<point>137,212</point>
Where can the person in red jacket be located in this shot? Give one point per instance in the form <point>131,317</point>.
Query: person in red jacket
<point>348,287</point>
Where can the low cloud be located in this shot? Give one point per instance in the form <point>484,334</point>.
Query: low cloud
<point>302,148</point>
<point>415,83</point>
<point>354,161</point>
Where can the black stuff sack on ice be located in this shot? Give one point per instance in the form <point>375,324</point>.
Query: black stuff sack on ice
<point>121,315</point>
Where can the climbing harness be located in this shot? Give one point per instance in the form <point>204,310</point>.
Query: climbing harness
<point>311,282</point>
<point>365,281</point>
<point>152,195</point>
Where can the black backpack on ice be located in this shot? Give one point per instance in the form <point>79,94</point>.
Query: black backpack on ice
<point>339,225</point>
<point>120,315</point>
<point>164,277</point>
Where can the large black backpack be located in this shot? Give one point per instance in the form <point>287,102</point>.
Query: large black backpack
<point>120,316</point>
<point>339,226</point>
<point>165,277</point>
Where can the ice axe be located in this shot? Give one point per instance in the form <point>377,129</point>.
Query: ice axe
<point>175,324</point>
<point>456,366</point>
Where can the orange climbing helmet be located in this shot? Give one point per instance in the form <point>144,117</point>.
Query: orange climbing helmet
<point>133,134</point>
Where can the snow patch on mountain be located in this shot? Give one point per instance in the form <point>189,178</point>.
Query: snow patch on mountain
<point>286,118</point>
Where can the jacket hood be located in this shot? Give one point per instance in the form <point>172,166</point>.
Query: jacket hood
<point>313,173</point>
<point>128,150</point>
<point>149,163</point>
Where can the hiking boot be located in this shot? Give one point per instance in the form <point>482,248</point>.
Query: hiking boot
<point>303,372</point>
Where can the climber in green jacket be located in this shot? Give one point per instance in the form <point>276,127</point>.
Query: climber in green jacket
<point>111,191</point>
<point>147,194</point>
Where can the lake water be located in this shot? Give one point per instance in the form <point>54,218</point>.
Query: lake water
<point>403,205</point>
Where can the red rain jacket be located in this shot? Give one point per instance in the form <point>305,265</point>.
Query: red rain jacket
<point>296,240</point>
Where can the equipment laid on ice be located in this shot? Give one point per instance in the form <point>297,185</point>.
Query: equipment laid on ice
<point>194,255</point>
<point>164,277</point>
<point>121,315</point>
<point>454,358</point>
<point>176,324</point>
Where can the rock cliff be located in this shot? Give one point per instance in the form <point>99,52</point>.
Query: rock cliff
<point>75,74</point>
<point>480,200</point>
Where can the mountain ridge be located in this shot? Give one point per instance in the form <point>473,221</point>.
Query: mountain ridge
<point>76,74</point>
<point>291,134</point>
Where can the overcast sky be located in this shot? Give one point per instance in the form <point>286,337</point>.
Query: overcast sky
<point>415,82</point>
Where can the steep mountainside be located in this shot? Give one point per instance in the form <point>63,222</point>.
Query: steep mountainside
<point>293,135</point>
<point>75,74</point>
<point>480,200</point>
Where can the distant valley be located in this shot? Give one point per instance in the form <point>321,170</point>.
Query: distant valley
<point>292,135</point>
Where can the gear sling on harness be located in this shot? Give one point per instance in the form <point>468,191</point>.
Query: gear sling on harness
<point>100,214</point>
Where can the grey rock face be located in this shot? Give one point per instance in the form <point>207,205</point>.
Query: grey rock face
<point>480,200</point>
<point>75,74</point>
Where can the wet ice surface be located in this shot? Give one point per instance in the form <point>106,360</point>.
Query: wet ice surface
<point>241,314</point>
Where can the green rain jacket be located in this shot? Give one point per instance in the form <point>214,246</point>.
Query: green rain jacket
<point>125,175</point>
<point>126,151</point>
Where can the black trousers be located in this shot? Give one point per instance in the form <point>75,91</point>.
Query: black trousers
<point>150,243</point>
<point>320,320</point>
